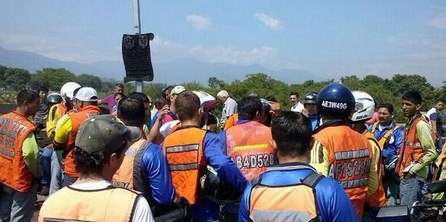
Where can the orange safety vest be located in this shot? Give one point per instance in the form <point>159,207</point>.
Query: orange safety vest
<point>349,161</point>
<point>109,204</point>
<point>61,108</point>
<point>183,150</point>
<point>77,118</point>
<point>382,141</point>
<point>231,121</point>
<point>249,145</point>
<point>296,202</point>
<point>378,198</point>
<point>14,127</point>
<point>412,150</point>
<point>125,174</point>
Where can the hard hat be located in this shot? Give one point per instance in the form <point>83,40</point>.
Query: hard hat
<point>68,89</point>
<point>54,98</point>
<point>310,98</point>
<point>215,188</point>
<point>336,99</point>
<point>364,106</point>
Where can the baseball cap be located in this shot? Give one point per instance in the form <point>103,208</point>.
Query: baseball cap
<point>86,94</point>
<point>101,135</point>
<point>177,90</point>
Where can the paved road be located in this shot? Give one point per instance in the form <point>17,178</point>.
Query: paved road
<point>37,206</point>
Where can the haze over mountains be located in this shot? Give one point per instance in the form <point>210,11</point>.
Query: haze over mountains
<point>177,71</point>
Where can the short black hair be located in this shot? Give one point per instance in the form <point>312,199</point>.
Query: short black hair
<point>187,105</point>
<point>413,96</point>
<point>248,107</point>
<point>42,89</point>
<point>91,164</point>
<point>26,95</point>
<point>292,133</point>
<point>388,106</point>
<point>294,93</point>
<point>140,96</point>
<point>131,111</point>
<point>159,103</point>
<point>119,85</point>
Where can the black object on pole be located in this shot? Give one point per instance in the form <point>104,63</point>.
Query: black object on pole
<point>136,56</point>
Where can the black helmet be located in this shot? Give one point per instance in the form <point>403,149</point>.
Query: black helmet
<point>53,98</point>
<point>215,188</point>
<point>336,99</point>
<point>310,98</point>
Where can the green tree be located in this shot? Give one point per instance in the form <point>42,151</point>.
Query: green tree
<point>16,79</point>
<point>89,80</point>
<point>53,78</point>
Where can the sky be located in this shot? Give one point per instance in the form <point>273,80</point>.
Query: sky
<point>328,38</point>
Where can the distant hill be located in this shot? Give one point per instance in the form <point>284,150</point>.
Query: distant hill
<point>177,71</point>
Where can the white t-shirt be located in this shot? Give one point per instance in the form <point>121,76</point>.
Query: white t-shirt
<point>298,107</point>
<point>142,209</point>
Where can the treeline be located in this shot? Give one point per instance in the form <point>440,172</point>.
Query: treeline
<point>381,89</point>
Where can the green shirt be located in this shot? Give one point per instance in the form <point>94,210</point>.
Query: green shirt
<point>30,153</point>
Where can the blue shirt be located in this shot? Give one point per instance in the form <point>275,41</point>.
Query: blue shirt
<point>395,140</point>
<point>332,202</point>
<point>158,176</point>
<point>313,121</point>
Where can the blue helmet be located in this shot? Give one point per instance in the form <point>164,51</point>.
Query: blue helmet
<point>336,99</point>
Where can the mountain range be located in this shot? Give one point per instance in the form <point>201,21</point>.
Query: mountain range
<point>176,71</point>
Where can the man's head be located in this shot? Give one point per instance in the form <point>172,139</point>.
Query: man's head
<point>291,133</point>
<point>100,145</point>
<point>310,103</point>
<point>119,88</point>
<point>144,99</point>
<point>385,114</point>
<point>222,96</point>
<point>335,101</point>
<point>43,93</point>
<point>250,108</point>
<point>187,106</point>
<point>177,90</point>
<point>439,105</point>
<point>85,96</point>
<point>159,103</point>
<point>294,97</point>
<point>411,102</point>
<point>67,90</point>
<point>132,112</point>
<point>28,102</point>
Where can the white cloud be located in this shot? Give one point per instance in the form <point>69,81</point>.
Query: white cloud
<point>199,22</point>
<point>269,21</point>
<point>438,22</point>
<point>165,50</point>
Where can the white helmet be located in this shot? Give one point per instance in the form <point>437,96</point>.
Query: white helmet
<point>364,106</point>
<point>68,89</point>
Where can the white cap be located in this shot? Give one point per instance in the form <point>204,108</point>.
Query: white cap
<point>86,94</point>
<point>177,90</point>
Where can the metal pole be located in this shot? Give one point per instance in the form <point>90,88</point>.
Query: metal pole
<point>139,85</point>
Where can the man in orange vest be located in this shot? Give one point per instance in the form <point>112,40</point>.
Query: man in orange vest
<point>188,149</point>
<point>292,190</point>
<point>85,105</point>
<point>390,138</point>
<point>19,154</point>
<point>418,150</point>
<point>99,151</point>
<point>339,151</point>
<point>248,144</point>
<point>364,109</point>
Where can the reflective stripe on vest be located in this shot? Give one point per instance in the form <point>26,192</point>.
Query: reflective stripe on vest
<point>294,202</point>
<point>351,172</point>
<point>412,150</point>
<point>249,145</point>
<point>382,141</point>
<point>183,150</point>
<point>76,119</point>
<point>110,204</point>
<point>378,198</point>
<point>14,128</point>
<point>124,176</point>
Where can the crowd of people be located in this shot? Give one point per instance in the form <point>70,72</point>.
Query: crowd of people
<point>334,155</point>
